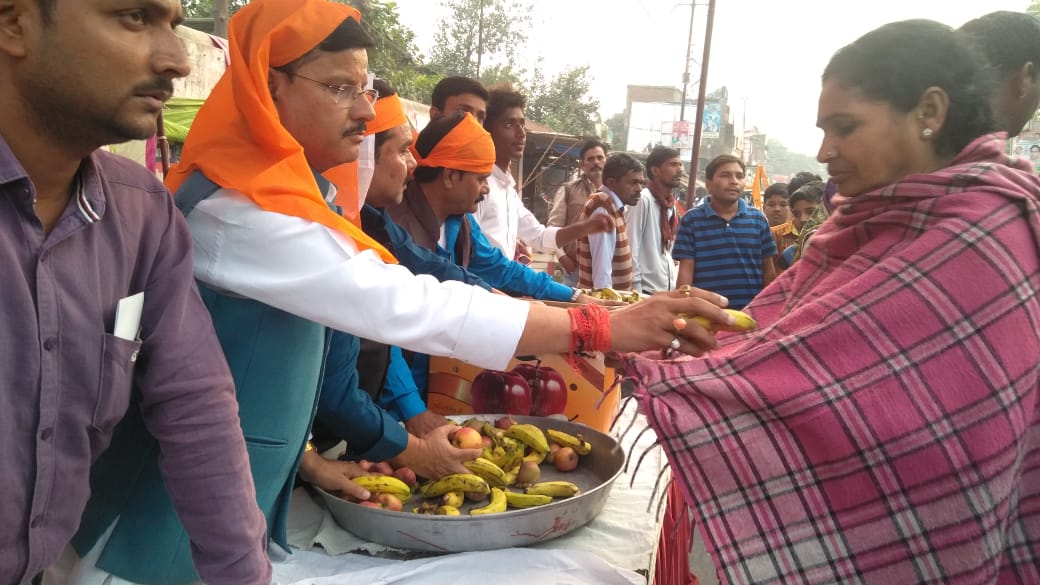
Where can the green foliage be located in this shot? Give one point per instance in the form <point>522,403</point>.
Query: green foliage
<point>1034,8</point>
<point>502,74</point>
<point>204,8</point>
<point>394,57</point>
<point>564,104</point>
<point>782,161</point>
<point>488,31</point>
<point>616,128</point>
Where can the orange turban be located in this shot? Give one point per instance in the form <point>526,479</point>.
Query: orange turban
<point>237,140</point>
<point>468,147</point>
<point>389,114</point>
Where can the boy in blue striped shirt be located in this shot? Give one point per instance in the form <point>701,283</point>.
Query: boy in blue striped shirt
<point>724,245</point>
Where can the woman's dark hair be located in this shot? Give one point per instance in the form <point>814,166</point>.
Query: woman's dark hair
<point>385,91</point>
<point>428,139</point>
<point>897,62</point>
<point>1007,39</point>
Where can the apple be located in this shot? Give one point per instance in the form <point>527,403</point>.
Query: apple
<point>486,442</point>
<point>406,475</point>
<point>566,459</point>
<point>553,448</point>
<point>467,438</point>
<point>389,502</point>
<point>494,392</point>
<point>548,390</point>
<point>382,468</point>
<point>504,422</point>
<point>371,504</point>
<point>476,496</point>
<point>529,473</point>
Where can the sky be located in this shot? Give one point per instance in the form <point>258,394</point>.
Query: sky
<point>769,53</point>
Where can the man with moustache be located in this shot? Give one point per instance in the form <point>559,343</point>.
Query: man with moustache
<point>85,235</point>
<point>502,215</point>
<point>653,221</point>
<point>605,259</point>
<point>723,245</point>
<point>570,200</point>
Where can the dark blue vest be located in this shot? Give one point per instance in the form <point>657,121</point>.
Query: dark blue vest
<point>276,360</point>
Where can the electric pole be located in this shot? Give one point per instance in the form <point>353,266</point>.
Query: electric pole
<point>686,72</point>
<point>701,91</point>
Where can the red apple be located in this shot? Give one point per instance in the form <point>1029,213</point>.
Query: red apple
<point>566,459</point>
<point>389,502</point>
<point>504,422</point>
<point>406,475</point>
<point>553,448</point>
<point>486,442</point>
<point>467,438</point>
<point>548,390</point>
<point>370,504</point>
<point>529,473</point>
<point>494,391</point>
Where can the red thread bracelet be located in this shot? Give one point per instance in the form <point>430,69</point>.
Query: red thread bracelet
<point>590,330</point>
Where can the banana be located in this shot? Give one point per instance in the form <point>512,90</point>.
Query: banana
<point>491,473</point>
<point>742,322</point>
<point>384,484</point>
<point>453,499</point>
<point>607,294</point>
<point>518,500</point>
<point>498,504</point>
<point>529,435</point>
<point>536,456</point>
<point>556,489</point>
<point>576,442</point>
<point>457,482</point>
<point>446,510</point>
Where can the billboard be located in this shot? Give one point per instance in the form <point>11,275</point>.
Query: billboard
<point>712,119</point>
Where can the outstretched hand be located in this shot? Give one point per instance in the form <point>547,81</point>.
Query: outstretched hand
<point>651,323</point>
<point>333,476</point>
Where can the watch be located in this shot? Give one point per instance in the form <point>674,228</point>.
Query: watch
<point>577,293</point>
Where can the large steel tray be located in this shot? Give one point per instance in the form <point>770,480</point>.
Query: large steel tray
<point>595,476</point>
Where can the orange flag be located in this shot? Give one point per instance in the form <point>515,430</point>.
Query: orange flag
<point>759,185</point>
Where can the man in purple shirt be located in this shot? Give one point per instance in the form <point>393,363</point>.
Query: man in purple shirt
<point>81,229</point>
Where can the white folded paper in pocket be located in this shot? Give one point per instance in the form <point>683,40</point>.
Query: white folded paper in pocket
<point>128,317</point>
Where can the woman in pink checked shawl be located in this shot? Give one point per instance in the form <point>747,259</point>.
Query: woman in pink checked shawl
<point>881,425</point>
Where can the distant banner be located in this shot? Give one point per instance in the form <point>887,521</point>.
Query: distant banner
<point>1027,145</point>
<point>712,120</point>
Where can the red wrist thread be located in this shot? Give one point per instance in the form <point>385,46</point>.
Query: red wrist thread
<point>590,330</point>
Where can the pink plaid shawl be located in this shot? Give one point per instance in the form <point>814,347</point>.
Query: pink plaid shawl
<point>882,425</point>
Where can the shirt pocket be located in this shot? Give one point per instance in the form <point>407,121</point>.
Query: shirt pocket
<point>118,358</point>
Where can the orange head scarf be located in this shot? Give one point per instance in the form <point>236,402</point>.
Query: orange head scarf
<point>467,147</point>
<point>237,140</point>
<point>389,115</point>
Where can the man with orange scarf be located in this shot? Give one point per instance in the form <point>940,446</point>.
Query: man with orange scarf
<point>278,269</point>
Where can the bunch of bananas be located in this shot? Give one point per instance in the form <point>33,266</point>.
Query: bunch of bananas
<point>495,476</point>
<point>609,294</point>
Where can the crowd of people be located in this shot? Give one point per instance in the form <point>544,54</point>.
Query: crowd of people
<point>171,362</point>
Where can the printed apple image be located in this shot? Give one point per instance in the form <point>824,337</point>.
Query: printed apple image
<point>548,390</point>
<point>496,392</point>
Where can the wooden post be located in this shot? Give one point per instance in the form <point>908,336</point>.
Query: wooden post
<point>701,94</point>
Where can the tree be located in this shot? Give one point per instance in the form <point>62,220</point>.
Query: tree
<point>1034,8</point>
<point>204,8</point>
<point>477,32</point>
<point>564,104</point>
<point>782,161</point>
<point>394,56</point>
<point>617,131</point>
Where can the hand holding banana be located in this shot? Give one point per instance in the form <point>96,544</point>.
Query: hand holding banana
<point>651,322</point>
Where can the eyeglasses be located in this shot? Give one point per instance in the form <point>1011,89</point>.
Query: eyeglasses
<point>346,95</point>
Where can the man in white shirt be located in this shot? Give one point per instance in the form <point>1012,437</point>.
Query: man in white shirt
<point>653,221</point>
<point>605,259</point>
<point>502,215</point>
